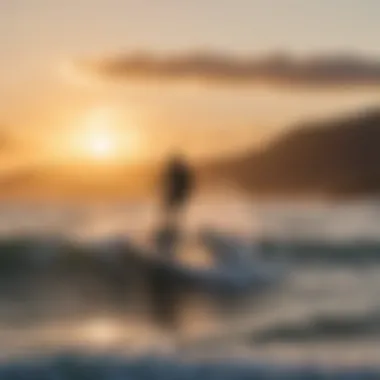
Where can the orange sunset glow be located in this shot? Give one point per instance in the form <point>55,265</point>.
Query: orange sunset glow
<point>100,135</point>
<point>101,87</point>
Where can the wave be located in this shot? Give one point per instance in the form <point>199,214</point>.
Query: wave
<point>53,278</point>
<point>24,253</point>
<point>113,368</point>
<point>352,253</point>
<point>39,269</point>
<point>42,279</point>
<point>323,328</point>
<point>58,279</point>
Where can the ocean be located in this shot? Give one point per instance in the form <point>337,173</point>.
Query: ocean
<point>71,304</point>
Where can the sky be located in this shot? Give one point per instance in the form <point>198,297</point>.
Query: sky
<point>34,28</point>
<point>43,97</point>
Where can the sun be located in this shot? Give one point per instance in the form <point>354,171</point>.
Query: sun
<point>99,134</point>
<point>104,135</point>
<point>101,144</point>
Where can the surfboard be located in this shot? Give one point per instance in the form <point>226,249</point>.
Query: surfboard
<point>236,269</point>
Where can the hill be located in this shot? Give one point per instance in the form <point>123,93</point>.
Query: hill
<point>340,156</point>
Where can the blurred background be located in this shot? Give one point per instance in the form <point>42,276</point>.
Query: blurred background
<point>195,179</point>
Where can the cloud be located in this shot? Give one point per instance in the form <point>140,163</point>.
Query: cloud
<point>339,70</point>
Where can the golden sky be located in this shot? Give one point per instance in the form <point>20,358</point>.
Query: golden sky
<point>54,110</point>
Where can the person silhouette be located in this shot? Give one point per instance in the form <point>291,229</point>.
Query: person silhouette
<point>164,283</point>
<point>177,187</point>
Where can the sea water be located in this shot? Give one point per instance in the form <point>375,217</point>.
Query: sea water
<point>64,288</point>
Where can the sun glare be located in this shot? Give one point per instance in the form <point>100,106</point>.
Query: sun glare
<point>101,332</point>
<point>101,144</point>
<point>99,136</point>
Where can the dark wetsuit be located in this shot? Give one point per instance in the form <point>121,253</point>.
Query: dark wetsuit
<point>177,187</point>
<point>178,184</point>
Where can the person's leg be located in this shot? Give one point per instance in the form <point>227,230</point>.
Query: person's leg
<point>166,236</point>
